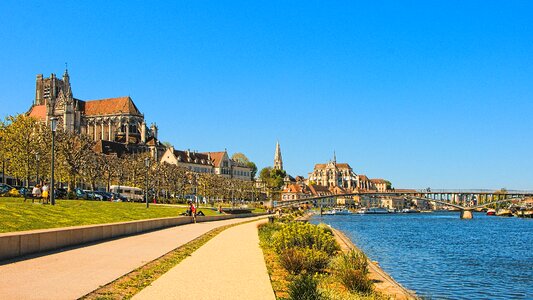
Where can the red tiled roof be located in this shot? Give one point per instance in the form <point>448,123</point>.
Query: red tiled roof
<point>38,112</point>
<point>216,157</point>
<point>111,106</point>
<point>343,166</point>
<point>363,177</point>
<point>378,180</point>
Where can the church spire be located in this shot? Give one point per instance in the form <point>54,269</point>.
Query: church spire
<point>334,157</point>
<point>278,161</point>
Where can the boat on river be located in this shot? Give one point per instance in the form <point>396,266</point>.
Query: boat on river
<point>491,212</point>
<point>410,210</point>
<point>373,210</point>
<point>504,212</point>
<point>337,211</point>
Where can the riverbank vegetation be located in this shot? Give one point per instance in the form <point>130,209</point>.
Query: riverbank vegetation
<point>305,262</point>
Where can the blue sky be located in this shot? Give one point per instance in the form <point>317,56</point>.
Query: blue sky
<point>423,93</point>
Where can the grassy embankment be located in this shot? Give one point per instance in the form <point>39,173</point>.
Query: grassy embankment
<point>305,262</point>
<point>16,215</point>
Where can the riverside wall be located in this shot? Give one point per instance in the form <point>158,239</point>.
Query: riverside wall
<point>17,244</point>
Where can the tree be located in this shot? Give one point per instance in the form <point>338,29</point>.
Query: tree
<point>74,152</point>
<point>272,179</point>
<point>241,158</point>
<point>20,139</point>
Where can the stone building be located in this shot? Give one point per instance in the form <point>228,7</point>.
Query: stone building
<point>229,168</point>
<point>116,120</point>
<point>334,174</point>
<point>209,162</point>
<point>193,161</point>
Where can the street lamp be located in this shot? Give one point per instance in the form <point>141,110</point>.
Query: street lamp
<point>37,157</point>
<point>147,164</point>
<point>53,124</point>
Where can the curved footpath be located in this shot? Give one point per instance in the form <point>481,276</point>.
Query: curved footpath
<point>76,272</point>
<point>229,266</point>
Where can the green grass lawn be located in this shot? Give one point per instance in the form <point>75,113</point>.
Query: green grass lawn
<point>16,215</point>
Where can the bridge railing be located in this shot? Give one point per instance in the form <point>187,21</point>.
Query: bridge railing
<point>471,191</point>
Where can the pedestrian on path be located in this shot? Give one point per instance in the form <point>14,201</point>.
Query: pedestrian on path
<point>193,212</point>
<point>36,192</point>
<point>45,193</point>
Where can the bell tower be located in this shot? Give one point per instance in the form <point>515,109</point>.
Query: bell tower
<point>278,161</point>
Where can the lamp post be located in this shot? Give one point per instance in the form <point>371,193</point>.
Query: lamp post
<point>37,158</point>
<point>147,164</point>
<point>3,170</point>
<point>53,124</point>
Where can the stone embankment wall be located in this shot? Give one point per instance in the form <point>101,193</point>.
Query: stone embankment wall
<point>18,244</point>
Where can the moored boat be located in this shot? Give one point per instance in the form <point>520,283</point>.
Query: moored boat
<point>491,212</point>
<point>373,210</point>
<point>410,210</point>
<point>503,212</point>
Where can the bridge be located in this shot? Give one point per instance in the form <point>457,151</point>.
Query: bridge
<point>464,200</point>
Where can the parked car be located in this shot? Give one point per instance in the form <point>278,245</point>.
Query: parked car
<point>105,195</point>
<point>60,193</point>
<point>5,188</point>
<point>93,195</point>
<point>119,198</point>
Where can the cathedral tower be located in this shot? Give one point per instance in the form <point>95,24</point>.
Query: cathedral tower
<point>278,161</point>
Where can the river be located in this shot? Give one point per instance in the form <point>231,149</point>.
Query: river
<point>440,256</point>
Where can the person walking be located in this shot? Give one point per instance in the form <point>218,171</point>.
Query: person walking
<point>45,193</point>
<point>36,192</point>
<point>193,212</point>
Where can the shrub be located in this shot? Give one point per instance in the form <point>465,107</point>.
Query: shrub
<point>315,260</point>
<point>298,260</point>
<point>293,260</point>
<point>304,287</point>
<point>352,269</point>
<point>304,235</point>
<point>266,231</point>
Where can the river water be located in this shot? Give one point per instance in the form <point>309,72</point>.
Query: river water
<point>440,256</point>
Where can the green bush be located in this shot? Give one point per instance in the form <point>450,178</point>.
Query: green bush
<point>351,269</point>
<point>266,231</point>
<point>293,260</point>
<point>303,235</point>
<point>298,260</point>
<point>305,287</point>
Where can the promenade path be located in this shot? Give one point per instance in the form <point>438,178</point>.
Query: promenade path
<point>73,273</point>
<point>230,266</point>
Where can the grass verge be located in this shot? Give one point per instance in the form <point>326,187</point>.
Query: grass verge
<point>132,283</point>
<point>16,215</point>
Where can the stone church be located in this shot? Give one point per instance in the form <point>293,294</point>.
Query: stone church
<point>116,124</point>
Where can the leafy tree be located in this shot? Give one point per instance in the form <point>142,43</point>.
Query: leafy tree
<point>241,158</point>
<point>272,179</point>
<point>74,152</point>
<point>20,144</point>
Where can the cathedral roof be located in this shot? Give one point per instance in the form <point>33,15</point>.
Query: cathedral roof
<point>38,112</point>
<point>378,180</point>
<point>363,177</point>
<point>111,106</point>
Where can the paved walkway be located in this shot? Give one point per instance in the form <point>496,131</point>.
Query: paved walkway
<point>74,273</point>
<point>230,266</point>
